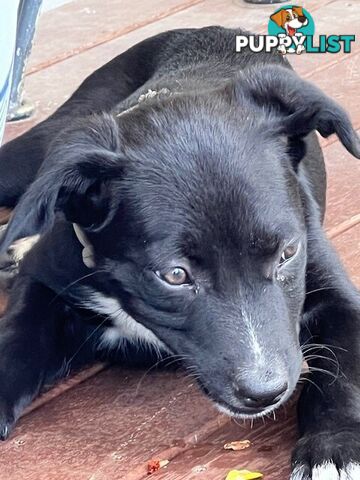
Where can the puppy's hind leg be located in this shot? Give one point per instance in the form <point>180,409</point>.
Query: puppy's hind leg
<point>39,339</point>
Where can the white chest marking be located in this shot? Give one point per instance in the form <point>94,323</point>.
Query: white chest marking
<point>125,328</point>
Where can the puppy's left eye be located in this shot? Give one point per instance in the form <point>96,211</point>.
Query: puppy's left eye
<point>288,253</point>
<point>176,276</point>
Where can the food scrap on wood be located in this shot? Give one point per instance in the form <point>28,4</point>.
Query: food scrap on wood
<point>243,475</point>
<point>155,465</point>
<point>238,445</point>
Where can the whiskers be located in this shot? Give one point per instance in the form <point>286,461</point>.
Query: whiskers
<point>86,340</point>
<point>311,356</point>
<point>304,378</point>
<point>167,362</point>
<point>320,290</point>
<point>78,280</point>
<point>192,372</point>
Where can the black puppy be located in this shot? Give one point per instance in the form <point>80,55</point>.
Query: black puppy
<point>179,195</point>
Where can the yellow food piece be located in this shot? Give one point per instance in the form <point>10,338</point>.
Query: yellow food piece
<point>238,445</point>
<point>243,475</point>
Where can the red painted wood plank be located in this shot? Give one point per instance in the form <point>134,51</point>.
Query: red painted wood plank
<point>271,445</point>
<point>348,246</point>
<point>50,87</point>
<point>111,419</point>
<point>343,177</point>
<point>90,23</point>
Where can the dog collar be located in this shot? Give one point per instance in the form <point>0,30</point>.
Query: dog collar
<point>88,250</point>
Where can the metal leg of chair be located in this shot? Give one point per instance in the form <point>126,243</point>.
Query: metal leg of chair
<point>27,18</point>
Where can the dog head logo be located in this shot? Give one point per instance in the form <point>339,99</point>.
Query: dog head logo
<point>290,19</point>
<point>292,25</point>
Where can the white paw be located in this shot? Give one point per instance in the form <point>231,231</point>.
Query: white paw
<point>300,49</point>
<point>21,247</point>
<point>299,473</point>
<point>327,471</point>
<point>350,472</point>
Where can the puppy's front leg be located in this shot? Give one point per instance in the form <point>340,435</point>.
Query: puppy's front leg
<point>37,340</point>
<point>329,407</point>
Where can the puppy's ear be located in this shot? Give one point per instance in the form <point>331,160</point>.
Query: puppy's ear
<point>296,107</point>
<point>299,11</point>
<point>278,18</point>
<point>79,178</point>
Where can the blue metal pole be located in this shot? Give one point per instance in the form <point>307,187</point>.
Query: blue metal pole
<point>27,17</point>
<point>8,26</point>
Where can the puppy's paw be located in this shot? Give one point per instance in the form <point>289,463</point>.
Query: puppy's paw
<point>328,456</point>
<point>8,271</point>
<point>300,49</point>
<point>21,247</point>
<point>327,471</point>
<point>7,420</point>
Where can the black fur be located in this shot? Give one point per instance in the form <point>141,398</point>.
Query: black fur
<point>217,173</point>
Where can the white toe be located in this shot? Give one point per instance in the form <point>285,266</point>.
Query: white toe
<point>299,473</point>
<point>350,472</point>
<point>325,471</point>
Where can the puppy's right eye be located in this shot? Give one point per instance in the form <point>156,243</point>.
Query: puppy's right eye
<point>176,276</point>
<point>288,253</point>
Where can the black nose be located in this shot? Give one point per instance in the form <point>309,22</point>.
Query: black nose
<point>260,396</point>
<point>302,19</point>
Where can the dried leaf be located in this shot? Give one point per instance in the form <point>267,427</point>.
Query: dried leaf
<point>238,445</point>
<point>243,475</point>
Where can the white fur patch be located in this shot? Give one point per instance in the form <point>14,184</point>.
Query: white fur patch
<point>254,344</point>
<point>350,472</point>
<point>328,471</point>
<point>21,247</point>
<point>299,473</point>
<point>125,327</point>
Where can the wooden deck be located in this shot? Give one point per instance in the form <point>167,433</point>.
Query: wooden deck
<point>106,423</point>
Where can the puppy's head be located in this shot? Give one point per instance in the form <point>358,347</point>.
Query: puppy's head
<point>290,19</point>
<point>193,206</point>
